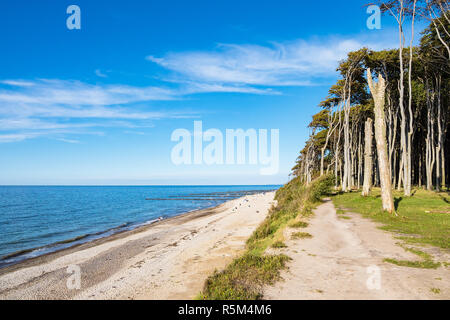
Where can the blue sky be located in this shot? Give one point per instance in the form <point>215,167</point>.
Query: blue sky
<point>98,105</point>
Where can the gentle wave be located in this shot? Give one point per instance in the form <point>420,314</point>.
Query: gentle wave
<point>35,221</point>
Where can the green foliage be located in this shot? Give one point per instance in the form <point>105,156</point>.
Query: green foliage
<point>321,187</point>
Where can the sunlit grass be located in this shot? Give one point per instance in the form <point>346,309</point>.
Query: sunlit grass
<point>423,218</point>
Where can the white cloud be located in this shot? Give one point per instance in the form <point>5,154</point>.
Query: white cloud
<point>33,108</point>
<point>16,137</point>
<point>100,74</point>
<point>294,63</point>
<point>50,107</point>
<point>71,141</point>
<point>17,83</point>
<point>65,92</point>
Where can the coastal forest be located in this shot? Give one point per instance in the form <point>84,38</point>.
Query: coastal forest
<point>385,122</point>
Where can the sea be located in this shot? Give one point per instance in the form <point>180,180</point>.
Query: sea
<point>37,220</point>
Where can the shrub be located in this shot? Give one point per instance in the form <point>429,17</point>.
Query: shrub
<point>321,187</point>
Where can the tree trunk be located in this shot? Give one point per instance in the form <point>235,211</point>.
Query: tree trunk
<point>368,164</point>
<point>411,120</point>
<point>440,136</point>
<point>378,93</point>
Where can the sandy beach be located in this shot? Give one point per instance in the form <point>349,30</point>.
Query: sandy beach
<point>167,260</point>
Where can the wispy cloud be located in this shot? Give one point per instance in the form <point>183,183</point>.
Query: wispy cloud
<point>100,74</point>
<point>34,108</point>
<point>294,63</point>
<point>71,141</point>
<point>58,108</point>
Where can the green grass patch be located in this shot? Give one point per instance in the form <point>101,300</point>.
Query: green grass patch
<point>344,217</point>
<point>279,245</point>
<point>435,290</point>
<point>244,278</point>
<point>299,224</point>
<point>426,264</point>
<point>422,218</point>
<point>300,235</point>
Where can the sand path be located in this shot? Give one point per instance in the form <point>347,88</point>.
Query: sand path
<point>344,255</point>
<point>168,260</point>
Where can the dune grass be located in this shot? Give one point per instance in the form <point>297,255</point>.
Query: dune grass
<point>299,224</point>
<point>300,235</point>
<point>279,245</point>
<point>244,278</point>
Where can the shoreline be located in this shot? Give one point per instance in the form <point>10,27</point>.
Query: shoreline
<point>92,243</point>
<point>20,256</point>
<point>28,253</point>
<point>153,261</point>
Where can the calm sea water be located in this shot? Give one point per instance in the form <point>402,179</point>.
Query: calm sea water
<point>35,220</point>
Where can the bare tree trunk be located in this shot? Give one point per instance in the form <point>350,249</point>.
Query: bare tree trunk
<point>337,152</point>
<point>411,129</point>
<point>439,141</point>
<point>443,165</point>
<point>429,140</point>
<point>346,150</point>
<point>400,174</point>
<point>378,94</point>
<point>420,171</point>
<point>331,128</point>
<point>368,164</point>
<point>360,162</point>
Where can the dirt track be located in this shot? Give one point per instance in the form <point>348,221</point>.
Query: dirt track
<point>344,255</point>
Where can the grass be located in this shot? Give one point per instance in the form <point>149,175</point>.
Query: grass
<point>435,290</point>
<point>244,278</point>
<point>298,225</point>
<point>422,218</point>
<point>279,245</point>
<point>426,263</point>
<point>300,235</point>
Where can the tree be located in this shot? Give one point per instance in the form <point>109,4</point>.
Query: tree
<point>378,93</point>
<point>368,163</point>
